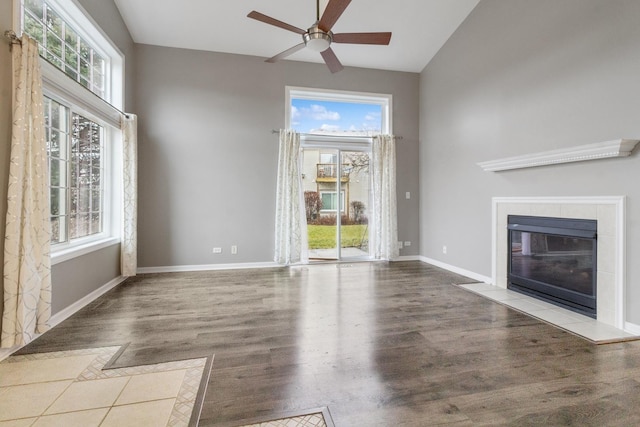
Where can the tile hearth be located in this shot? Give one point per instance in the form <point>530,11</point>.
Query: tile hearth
<point>71,388</point>
<point>591,329</point>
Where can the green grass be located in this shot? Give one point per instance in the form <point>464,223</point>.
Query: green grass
<point>324,236</point>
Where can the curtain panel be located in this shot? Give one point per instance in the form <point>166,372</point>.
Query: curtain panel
<point>27,257</point>
<point>129,245</point>
<point>291,225</point>
<point>385,211</point>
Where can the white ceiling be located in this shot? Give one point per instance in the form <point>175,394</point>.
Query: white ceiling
<point>419,27</point>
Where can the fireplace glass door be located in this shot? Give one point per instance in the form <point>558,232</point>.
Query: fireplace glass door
<point>554,260</point>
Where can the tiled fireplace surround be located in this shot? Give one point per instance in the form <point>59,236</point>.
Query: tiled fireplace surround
<point>609,211</point>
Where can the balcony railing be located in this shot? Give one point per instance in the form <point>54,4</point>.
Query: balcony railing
<point>330,170</point>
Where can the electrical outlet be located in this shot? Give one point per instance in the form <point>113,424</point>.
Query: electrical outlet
<point>407,243</point>
<point>408,195</point>
<point>234,249</point>
<point>217,250</point>
<point>444,249</point>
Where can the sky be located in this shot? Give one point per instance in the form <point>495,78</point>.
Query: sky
<point>309,116</point>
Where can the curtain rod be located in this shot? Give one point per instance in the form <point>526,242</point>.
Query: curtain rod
<point>336,136</point>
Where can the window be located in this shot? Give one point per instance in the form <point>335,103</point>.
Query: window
<point>330,201</point>
<point>82,131</point>
<point>337,113</point>
<point>61,45</point>
<point>76,169</point>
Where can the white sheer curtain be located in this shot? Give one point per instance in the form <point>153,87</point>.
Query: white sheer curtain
<point>27,261</point>
<point>129,245</point>
<point>385,235</point>
<point>291,225</point>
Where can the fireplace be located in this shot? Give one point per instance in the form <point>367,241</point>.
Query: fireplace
<point>608,211</point>
<point>554,259</point>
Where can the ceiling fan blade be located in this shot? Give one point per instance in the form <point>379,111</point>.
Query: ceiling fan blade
<point>331,60</point>
<point>272,21</point>
<point>363,38</point>
<point>332,13</point>
<point>286,53</point>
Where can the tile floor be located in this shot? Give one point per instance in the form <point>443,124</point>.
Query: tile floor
<point>310,420</point>
<point>578,324</point>
<point>70,388</point>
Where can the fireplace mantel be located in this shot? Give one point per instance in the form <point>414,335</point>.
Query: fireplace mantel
<point>596,151</point>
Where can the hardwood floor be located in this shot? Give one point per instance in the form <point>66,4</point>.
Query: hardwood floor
<point>380,344</point>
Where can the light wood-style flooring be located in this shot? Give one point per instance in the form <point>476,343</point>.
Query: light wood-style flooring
<point>379,344</point>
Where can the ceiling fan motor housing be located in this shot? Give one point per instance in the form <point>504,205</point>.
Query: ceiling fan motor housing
<point>316,39</point>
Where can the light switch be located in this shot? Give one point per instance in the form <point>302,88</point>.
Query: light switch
<point>408,195</point>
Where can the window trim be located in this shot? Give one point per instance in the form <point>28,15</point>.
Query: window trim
<point>384,100</point>
<point>64,251</point>
<point>86,27</point>
<point>106,112</point>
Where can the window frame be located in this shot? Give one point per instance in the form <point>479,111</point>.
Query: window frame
<point>63,89</point>
<point>385,101</point>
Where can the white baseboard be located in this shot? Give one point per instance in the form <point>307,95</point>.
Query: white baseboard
<point>409,258</point>
<point>64,314</point>
<point>632,328</point>
<point>187,268</point>
<point>457,270</point>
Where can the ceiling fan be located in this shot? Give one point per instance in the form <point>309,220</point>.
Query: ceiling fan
<point>319,36</point>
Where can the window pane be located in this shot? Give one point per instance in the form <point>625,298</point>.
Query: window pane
<point>33,28</point>
<point>56,235</point>
<point>56,61</point>
<point>96,174</point>
<point>71,38</point>
<point>80,225</point>
<point>96,200</point>
<point>328,201</point>
<point>335,117</point>
<point>35,7</point>
<point>84,202</point>
<point>54,22</point>
<point>55,167</point>
<point>86,193</point>
<point>54,44</point>
<point>96,223</point>
<point>57,200</point>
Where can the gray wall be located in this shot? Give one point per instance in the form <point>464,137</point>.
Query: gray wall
<point>208,159</point>
<point>520,77</point>
<point>71,280</point>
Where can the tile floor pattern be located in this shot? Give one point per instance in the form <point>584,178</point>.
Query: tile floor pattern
<point>69,388</point>
<point>310,420</point>
<point>578,324</point>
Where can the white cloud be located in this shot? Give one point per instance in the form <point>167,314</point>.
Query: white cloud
<point>295,113</point>
<point>373,117</point>
<point>319,112</point>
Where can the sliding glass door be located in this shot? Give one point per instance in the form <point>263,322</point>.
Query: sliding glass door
<point>336,130</point>
<point>337,194</point>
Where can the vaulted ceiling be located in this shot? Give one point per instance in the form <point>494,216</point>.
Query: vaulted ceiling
<point>419,27</point>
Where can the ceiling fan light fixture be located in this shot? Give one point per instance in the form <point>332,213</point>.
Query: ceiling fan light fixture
<point>317,40</point>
